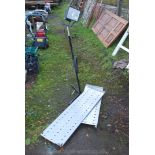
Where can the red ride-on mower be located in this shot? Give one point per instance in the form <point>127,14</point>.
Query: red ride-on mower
<point>37,24</point>
<point>40,39</point>
<point>35,21</point>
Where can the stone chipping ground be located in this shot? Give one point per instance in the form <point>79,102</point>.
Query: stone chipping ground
<point>49,93</point>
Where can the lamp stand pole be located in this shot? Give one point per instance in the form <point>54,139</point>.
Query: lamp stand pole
<point>74,61</point>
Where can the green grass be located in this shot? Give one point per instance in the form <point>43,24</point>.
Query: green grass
<point>50,93</point>
<point>95,61</point>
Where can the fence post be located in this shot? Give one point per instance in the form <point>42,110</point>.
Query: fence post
<point>119,7</point>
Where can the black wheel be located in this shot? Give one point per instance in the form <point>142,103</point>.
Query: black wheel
<point>46,45</point>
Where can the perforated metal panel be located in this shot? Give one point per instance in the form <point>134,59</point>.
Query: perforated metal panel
<point>108,27</point>
<point>64,126</point>
<point>92,118</point>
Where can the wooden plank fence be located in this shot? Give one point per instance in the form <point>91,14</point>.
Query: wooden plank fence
<point>94,10</point>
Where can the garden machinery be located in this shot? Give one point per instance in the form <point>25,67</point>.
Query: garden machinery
<point>31,60</point>
<point>35,21</point>
<point>40,39</point>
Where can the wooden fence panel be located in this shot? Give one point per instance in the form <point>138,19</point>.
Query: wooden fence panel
<point>108,27</point>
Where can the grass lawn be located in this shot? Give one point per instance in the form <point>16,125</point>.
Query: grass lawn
<point>50,93</point>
